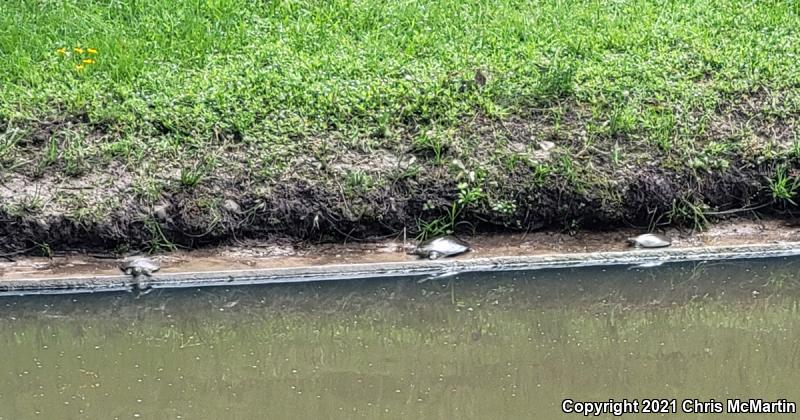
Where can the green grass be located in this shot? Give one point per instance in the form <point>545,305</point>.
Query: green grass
<point>269,69</point>
<point>277,89</point>
<point>784,187</point>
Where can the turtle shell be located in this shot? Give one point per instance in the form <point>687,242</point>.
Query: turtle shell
<point>650,240</point>
<point>140,265</point>
<point>443,246</point>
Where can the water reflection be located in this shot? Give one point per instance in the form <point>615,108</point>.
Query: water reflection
<point>502,345</point>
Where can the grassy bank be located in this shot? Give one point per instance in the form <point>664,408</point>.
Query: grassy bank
<point>152,123</point>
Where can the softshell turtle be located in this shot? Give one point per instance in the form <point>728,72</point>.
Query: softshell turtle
<point>443,246</point>
<point>139,267</point>
<point>650,240</point>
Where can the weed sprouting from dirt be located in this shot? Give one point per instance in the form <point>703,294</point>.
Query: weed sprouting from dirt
<point>686,211</point>
<point>49,157</point>
<point>27,205</point>
<point>556,78</point>
<point>540,174</point>
<point>158,242</point>
<point>148,188</point>
<point>74,154</point>
<point>468,194</point>
<point>504,207</point>
<point>44,249</point>
<point>433,143</point>
<point>783,186</point>
<point>191,176</point>
<point>8,149</point>
<point>358,181</point>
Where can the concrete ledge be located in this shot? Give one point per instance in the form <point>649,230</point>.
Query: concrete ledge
<point>84,284</point>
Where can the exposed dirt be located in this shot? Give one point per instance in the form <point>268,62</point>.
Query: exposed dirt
<point>254,255</point>
<point>532,172</point>
<point>100,212</point>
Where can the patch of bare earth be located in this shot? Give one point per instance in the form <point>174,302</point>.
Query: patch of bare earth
<point>534,172</point>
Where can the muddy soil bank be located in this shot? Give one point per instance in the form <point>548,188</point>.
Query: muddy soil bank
<point>229,213</point>
<point>523,173</point>
<point>260,256</point>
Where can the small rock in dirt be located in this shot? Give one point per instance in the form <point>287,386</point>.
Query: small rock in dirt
<point>231,206</point>
<point>541,155</point>
<point>546,145</point>
<point>545,148</point>
<point>161,211</point>
<point>517,147</point>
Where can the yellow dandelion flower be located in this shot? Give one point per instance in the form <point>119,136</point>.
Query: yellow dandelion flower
<point>78,50</point>
<point>62,51</point>
<point>88,61</point>
<point>91,51</point>
<point>79,67</point>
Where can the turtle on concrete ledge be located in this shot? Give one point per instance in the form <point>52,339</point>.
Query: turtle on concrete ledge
<point>650,240</point>
<point>443,246</point>
<point>139,267</point>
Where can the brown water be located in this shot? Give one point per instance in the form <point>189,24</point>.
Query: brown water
<point>483,346</point>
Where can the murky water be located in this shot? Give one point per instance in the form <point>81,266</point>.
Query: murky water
<point>511,345</point>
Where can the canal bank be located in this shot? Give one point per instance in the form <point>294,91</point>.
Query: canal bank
<point>290,264</point>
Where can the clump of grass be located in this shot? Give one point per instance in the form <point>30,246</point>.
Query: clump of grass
<point>504,206</point>
<point>357,181</point>
<point>74,154</point>
<point>158,242</point>
<point>570,172</point>
<point>49,157</point>
<point>795,150</point>
<point>661,129</point>
<point>557,77</point>
<point>783,186</point>
<point>688,211</point>
<point>148,188</point>
<point>8,148</point>
<point>122,148</point>
<point>191,176</point>
<point>622,121</point>
<point>44,249</point>
<point>714,156</point>
<point>540,173</point>
<point>468,194</point>
<point>27,205</point>
<point>432,143</point>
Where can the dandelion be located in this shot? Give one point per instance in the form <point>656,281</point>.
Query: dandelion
<point>88,61</point>
<point>78,50</point>
<point>91,51</point>
<point>62,51</point>
<point>79,67</point>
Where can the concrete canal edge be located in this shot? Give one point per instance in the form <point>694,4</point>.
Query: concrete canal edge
<point>421,268</point>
